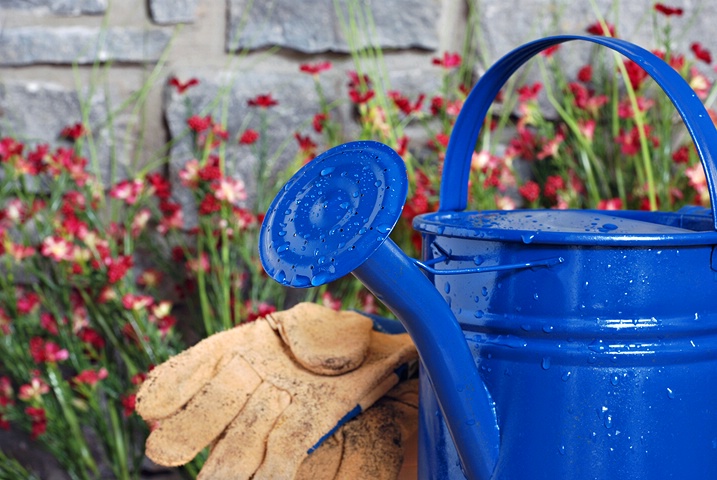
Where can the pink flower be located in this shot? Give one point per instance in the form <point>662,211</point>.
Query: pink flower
<point>610,204</point>
<point>136,302</point>
<point>33,390</point>
<point>57,248</point>
<point>201,263</point>
<point>27,302</point>
<point>91,377</point>
<point>189,175</point>
<point>244,219</point>
<point>139,222</point>
<point>172,217</point>
<point>330,301</point>
<point>698,181</point>
<point>182,87</point>
<point>47,352</point>
<point>127,190</point>
<point>315,68</point>
<point>449,60</point>
<point>249,137</point>
<point>230,190</point>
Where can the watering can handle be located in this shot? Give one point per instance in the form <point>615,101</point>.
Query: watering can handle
<point>456,169</point>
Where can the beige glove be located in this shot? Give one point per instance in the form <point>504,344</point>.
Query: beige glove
<point>265,393</point>
<point>373,445</point>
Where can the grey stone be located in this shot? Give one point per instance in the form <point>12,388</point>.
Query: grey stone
<point>58,7</point>
<point>36,113</point>
<point>84,45</point>
<point>167,12</point>
<point>313,26</point>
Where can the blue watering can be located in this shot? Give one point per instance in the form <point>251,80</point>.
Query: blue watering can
<point>576,344</point>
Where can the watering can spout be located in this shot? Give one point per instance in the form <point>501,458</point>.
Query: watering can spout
<point>333,218</point>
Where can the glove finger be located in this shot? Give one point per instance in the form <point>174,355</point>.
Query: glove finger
<point>170,385</point>
<point>374,442</point>
<point>239,451</point>
<point>323,340</point>
<point>323,463</point>
<point>182,435</point>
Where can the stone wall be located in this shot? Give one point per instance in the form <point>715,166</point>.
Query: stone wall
<point>52,49</point>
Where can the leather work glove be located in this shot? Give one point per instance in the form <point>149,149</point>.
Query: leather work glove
<point>268,393</point>
<point>371,446</point>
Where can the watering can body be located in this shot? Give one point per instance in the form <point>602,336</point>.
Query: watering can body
<point>553,344</point>
<point>601,366</point>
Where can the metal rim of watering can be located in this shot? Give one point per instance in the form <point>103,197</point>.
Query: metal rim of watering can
<point>454,183</point>
<point>352,196</point>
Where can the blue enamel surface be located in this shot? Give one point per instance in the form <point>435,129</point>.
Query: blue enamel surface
<point>333,214</point>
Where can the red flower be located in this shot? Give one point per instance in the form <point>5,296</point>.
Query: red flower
<point>73,132</point>
<point>209,205</point>
<point>668,11</point>
<point>211,170</point>
<point>597,28</point>
<point>682,155</point>
<point>553,184</point>
<point>182,87</point>
<point>118,267</point>
<point>630,141</point>
<point>199,124</point>
<point>530,191</point>
<point>359,98</point>
<point>319,121</point>
<point>161,187</point>
<point>92,338</point>
<point>127,190</point>
<point>585,74</point>
<point>529,92</point>
<point>38,421</point>
<point>356,80</point>
<point>449,60</point>
<point>255,311</point>
<point>42,351</point>
<point>315,68</point>
<point>404,104</point>
<point>306,144</point>
<point>635,74</point>
<point>262,101</point>
<point>128,402</point>
<point>249,137</point>
<point>701,53</point>
<point>27,302</point>
<point>9,147</point>
<point>48,322</point>
<point>437,105</point>
<point>550,51</point>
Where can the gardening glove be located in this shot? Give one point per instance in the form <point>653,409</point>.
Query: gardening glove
<point>371,446</point>
<point>269,391</point>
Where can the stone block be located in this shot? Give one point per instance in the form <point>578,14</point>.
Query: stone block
<point>36,113</point>
<point>58,7</point>
<point>313,26</point>
<point>167,12</point>
<point>84,45</point>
